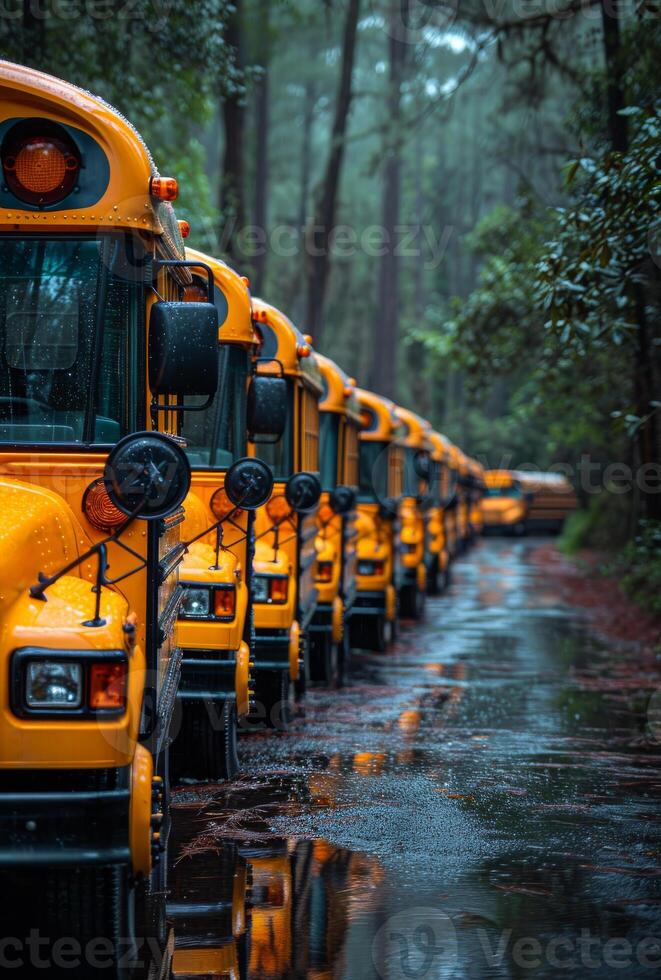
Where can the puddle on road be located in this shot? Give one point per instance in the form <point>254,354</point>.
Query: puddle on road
<point>482,802</point>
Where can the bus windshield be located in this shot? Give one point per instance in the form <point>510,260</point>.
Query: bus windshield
<point>329,438</point>
<point>280,455</point>
<point>373,471</point>
<point>217,437</point>
<point>67,307</point>
<point>511,491</point>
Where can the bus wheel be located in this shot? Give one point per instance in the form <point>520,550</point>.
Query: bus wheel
<point>434,579</point>
<point>206,745</point>
<point>273,691</point>
<point>324,659</point>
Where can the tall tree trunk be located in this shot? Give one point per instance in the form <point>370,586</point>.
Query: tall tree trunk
<point>617,125</point>
<point>386,323</point>
<point>33,35</point>
<point>648,436</point>
<point>318,236</point>
<point>262,145</point>
<point>415,351</point>
<point>231,186</point>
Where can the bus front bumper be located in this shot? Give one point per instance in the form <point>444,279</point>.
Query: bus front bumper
<point>56,819</point>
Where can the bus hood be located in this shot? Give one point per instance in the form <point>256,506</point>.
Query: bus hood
<point>37,534</point>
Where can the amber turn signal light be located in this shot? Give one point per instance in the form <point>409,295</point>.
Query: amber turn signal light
<point>107,691</point>
<point>278,509</point>
<point>164,188</point>
<point>278,588</point>
<point>224,602</point>
<point>99,509</point>
<point>324,571</point>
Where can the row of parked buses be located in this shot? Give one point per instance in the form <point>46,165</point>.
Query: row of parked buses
<point>201,516</point>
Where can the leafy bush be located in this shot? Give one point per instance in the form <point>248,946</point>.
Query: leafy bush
<point>603,524</point>
<point>640,566</point>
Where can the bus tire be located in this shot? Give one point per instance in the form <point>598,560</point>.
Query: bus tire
<point>273,691</point>
<point>412,602</point>
<point>434,579</point>
<point>324,659</point>
<point>206,745</point>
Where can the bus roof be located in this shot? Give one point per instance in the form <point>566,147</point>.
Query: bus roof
<point>416,429</point>
<point>284,344</point>
<point>381,423</point>
<point>113,187</point>
<point>499,478</point>
<point>237,327</point>
<point>339,389</point>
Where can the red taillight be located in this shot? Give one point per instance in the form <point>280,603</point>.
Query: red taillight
<point>324,571</point>
<point>224,602</point>
<point>107,686</point>
<point>278,588</point>
<point>40,169</point>
<point>99,509</point>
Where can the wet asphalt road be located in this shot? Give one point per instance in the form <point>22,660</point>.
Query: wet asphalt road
<point>483,801</point>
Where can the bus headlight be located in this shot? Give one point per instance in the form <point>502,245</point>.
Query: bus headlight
<point>270,588</point>
<point>201,602</point>
<point>196,604</point>
<point>53,684</point>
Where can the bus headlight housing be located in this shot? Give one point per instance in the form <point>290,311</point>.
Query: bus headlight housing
<point>204,602</point>
<point>270,588</point>
<point>68,683</point>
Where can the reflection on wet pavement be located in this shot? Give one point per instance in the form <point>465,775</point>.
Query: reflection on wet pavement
<point>480,802</point>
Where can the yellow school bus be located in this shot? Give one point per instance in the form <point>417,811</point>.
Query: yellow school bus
<point>91,359</point>
<point>272,920</point>
<point>283,586</point>
<point>413,513</point>
<point>505,505</point>
<point>438,567</point>
<point>452,506</point>
<point>209,908</point>
<point>476,516</point>
<point>339,424</point>
<point>214,627</point>
<point>381,477</point>
<point>552,499</point>
<point>463,500</point>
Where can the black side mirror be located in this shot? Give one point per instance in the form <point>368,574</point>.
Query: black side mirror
<point>183,349</point>
<point>424,501</point>
<point>147,475</point>
<point>343,500</point>
<point>422,464</point>
<point>302,492</point>
<point>249,483</point>
<point>268,404</point>
<point>388,509</point>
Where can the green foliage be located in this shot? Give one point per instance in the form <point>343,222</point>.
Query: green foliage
<point>160,64</point>
<point>637,566</point>
<point>603,525</point>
